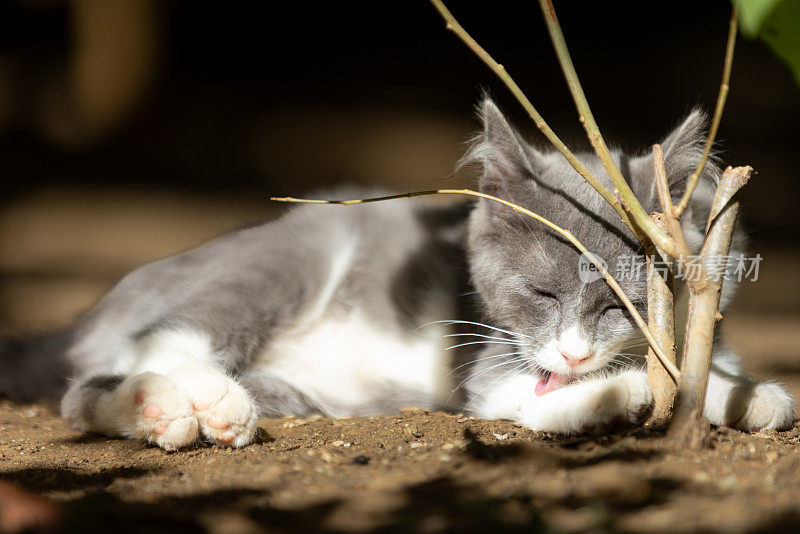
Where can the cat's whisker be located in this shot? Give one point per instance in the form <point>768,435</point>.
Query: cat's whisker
<point>495,366</point>
<point>462,334</point>
<point>461,384</point>
<point>485,342</point>
<point>634,344</point>
<point>457,321</point>
<point>484,358</point>
<point>505,374</point>
<point>516,368</point>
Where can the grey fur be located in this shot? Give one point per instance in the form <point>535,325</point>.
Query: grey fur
<point>245,289</point>
<point>90,391</point>
<point>511,256</point>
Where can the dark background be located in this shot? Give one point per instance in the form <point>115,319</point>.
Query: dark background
<point>237,101</point>
<point>222,67</point>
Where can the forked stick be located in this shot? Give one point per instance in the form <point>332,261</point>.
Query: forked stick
<point>648,334</point>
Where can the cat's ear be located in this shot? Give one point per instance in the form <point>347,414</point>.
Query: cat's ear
<point>507,160</point>
<point>683,148</point>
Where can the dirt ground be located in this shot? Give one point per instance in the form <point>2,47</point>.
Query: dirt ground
<point>414,471</point>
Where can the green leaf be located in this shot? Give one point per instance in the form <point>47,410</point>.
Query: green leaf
<point>753,13</point>
<point>776,22</point>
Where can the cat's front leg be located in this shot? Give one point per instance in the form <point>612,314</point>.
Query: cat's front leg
<point>584,406</point>
<point>738,401</point>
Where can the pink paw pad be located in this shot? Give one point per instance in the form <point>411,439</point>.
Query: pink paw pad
<point>219,424</point>
<point>151,411</point>
<point>201,405</point>
<point>226,436</point>
<point>160,427</point>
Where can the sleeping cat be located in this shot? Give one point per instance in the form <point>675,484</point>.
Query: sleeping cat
<point>352,311</point>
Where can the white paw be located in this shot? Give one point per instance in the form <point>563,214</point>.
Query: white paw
<point>225,412</point>
<point>153,408</point>
<point>770,407</point>
<point>640,398</point>
<point>624,398</point>
<point>592,405</point>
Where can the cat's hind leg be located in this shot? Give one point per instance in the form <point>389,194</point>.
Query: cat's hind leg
<point>146,406</point>
<point>175,393</point>
<point>225,411</point>
<point>738,401</point>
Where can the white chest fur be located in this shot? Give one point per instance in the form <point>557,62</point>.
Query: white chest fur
<point>351,367</point>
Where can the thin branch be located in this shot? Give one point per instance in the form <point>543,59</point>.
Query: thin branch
<point>505,77</point>
<point>637,213</point>
<point>661,320</point>
<point>712,134</point>
<point>662,187</point>
<point>704,313</point>
<point>651,339</point>
<point>672,223</point>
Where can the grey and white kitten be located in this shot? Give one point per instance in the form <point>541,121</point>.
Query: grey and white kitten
<point>350,311</point>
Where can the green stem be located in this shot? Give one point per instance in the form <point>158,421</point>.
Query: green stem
<point>637,213</point>
<point>694,179</point>
<point>500,71</point>
<point>648,334</point>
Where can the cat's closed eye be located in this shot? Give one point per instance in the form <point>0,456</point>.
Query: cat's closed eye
<point>544,294</point>
<point>620,309</point>
<point>614,308</point>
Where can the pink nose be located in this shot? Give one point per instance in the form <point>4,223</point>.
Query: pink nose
<point>573,360</point>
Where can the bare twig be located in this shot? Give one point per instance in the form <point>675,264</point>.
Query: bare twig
<point>505,77</point>
<point>651,338</point>
<point>671,222</point>
<point>637,213</point>
<point>712,134</point>
<point>687,425</point>
<point>661,320</point>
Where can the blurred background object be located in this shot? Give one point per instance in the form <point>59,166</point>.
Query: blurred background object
<point>21,511</point>
<point>133,129</point>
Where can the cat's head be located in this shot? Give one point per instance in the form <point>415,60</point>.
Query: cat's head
<point>528,277</point>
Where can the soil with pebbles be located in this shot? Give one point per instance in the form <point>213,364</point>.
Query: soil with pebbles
<point>415,471</point>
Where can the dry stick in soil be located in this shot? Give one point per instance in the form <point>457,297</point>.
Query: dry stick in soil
<point>505,77</point>
<point>637,213</point>
<point>651,338</point>
<point>723,94</point>
<point>661,321</point>
<point>661,302</point>
<point>688,428</point>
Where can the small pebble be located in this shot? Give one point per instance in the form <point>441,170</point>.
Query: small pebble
<point>361,460</point>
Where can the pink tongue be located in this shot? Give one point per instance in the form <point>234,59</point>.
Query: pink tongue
<point>546,385</point>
